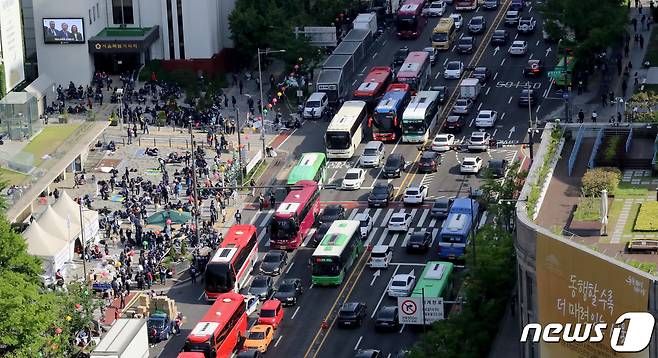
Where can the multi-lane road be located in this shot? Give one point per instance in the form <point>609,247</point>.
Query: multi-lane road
<point>301,334</point>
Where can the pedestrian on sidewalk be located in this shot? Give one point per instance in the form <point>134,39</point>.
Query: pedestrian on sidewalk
<point>624,87</point>
<point>241,85</point>
<point>636,39</point>
<point>604,100</point>
<point>618,117</point>
<point>581,116</point>
<point>272,200</point>
<point>234,101</point>
<point>626,51</point>
<point>238,217</point>
<point>611,97</point>
<point>637,80</point>
<point>222,210</point>
<point>641,41</point>
<point>252,184</point>
<point>261,201</point>
<point>594,116</point>
<point>634,22</point>
<point>235,78</point>
<point>130,136</point>
<point>122,300</point>
<point>619,67</point>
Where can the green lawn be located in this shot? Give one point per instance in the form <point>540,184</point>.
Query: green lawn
<point>50,138</point>
<point>587,209</point>
<point>630,223</point>
<point>627,190</point>
<point>11,177</point>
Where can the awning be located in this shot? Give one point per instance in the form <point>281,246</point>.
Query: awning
<point>127,40</point>
<point>42,86</point>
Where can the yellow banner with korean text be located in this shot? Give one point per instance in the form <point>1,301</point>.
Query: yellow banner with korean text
<point>574,286</point>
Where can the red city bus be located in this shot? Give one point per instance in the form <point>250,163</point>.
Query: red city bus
<point>233,261</point>
<point>461,5</point>
<point>295,216</point>
<point>373,86</point>
<point>415,71</point>
<point>220,331</point>
<point>410,19</point>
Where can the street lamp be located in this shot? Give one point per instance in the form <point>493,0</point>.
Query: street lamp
<point>120,98</point>
<point>262,103</point>
<point>194,183</point>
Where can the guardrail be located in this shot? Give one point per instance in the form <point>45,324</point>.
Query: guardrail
<point>595,149</point>
<point>576,148</point>
<point>629,141</point>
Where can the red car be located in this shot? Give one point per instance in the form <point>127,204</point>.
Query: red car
<point>271,313</point>
<point>534,68</point>
<point>454,124</point>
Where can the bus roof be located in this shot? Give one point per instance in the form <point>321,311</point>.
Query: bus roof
<point>295,200</point>
<point>306,168</point>
<point>457,224</point>
<point>413,64</point>
<point>335,240</point>
<point>224,254</point>
<point>411,7</point>
<point>418,105</point>
<point>444,25</point>
<point>238,235</point>
<point>346,116</point>
<point>393,98</point>
<point>373,81</point>
<point>217,317</point>
<point>464,205</point>
<point>434,279</point>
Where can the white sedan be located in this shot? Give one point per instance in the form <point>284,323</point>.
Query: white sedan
<point>415,194</point>
<point>471,165</point>
<point>435,8</point>
<point>458,19</point>
<point>443,142</point>
<point>486,118</point>
<point>401,285</point>
<point>518,48</point>
<point>399,222</point>
<point>353,179</point>
<point>453,70</point>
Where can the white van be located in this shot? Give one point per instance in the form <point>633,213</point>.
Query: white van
<point>380,256</point>
<point>316,105</point>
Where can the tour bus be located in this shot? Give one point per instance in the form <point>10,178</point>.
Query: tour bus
<point>456,232</point>
<point>344,132</point>
<point>295,216</point>
<point>374,85</point>
<point>230,266</point>
<point>444,34</point>
<point>415,71</point>
<point>221,330</point>
<point>410,19</point>
<point>337,252</point>
<point>436,281</point>
<point>420,117</point>
<point>386,119</point>
<point>462,5</point>
<point>311,166</point>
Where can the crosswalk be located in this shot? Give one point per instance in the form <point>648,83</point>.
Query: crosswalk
<point>421,220</point>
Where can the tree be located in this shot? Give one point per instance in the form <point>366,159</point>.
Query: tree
<point>14,256</point>
<point>594,31</point>
<point>500,195</point>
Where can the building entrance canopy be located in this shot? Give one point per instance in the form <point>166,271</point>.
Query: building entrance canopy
<point>128,40</point>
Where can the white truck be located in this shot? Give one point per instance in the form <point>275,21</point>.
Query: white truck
<point>128,338</point>
<point>366,22</point>
<point>469,88</point>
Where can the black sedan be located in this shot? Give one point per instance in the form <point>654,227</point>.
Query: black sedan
<point>289,291</point>
<point>534,68</point>
<point>352,314</point>
<point>262,287</point>
<point>419,241</point>
<point>381,195</point>
<point>332,213</point>
<point>527,96</point>
<point>498,167</point>
<point>453,124</point>
<point>400,55</point>
<point>320,232</point>
<point>429,162</point>
<point>273,262</point>
<point>387,319</point>
<point>481,73</point>
<point>442,92</point>
<point>500,37</point>
<point>466,45</point>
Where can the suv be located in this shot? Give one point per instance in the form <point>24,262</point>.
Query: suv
<point>526,25</point>
<point>511,18</point>
<point>316,105</point>
<point>466,44</point>
<point>477,24</point>
<point>497,167</point>
<point>490,4</point>
<point>441,208</point>
<point>352,314</point>
<point>429,162</point>
<point>394,166</point>
<point>500,37</point>
<point>479,141</point>
<point>373,154</point>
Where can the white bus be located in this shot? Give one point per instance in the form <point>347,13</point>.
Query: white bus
<point>420,117</point>
<point>344,132</point>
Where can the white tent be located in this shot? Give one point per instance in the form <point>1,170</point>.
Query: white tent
<point>54,251</point>
<point>68,209</point>
<point>57,225</point>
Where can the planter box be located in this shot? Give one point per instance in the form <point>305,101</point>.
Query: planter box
<point>583,228</point>
<point>620,152</point>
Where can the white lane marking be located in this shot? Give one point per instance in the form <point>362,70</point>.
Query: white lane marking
<point>488,89</point>
<point>353,214</point>
<point>295,313</point>
<point>453,48</point>
<point>406,237</point>
<point>437,74</point>
<point>353,83</point>
<point>364,69</point>
<point>381,170</point>
<point>278,340</point>
<point>394,239</point>
<point>483,220</point>
<point>510,100</point>
<point>538,107</point>
<point>383,237</point>
<point>495,75</point>
<point>503,116</point>
<point>479,106</point>
<point>201,296</point>
<point>290,267</point>
<point>387,217</point>
<point>374,312</point>
<point>310,287</point>
<point>358,342</point>
<point>444,62</point>
<point>471,123</point>
<point>375,55</point>
<point>530,9</point>
<point>374,217</point>
<point>402,328</point>
<point>435,235</point>
<point>333,176</point>
<point>404,264</point>
<point>550,85</point>
<point>545,91</point>
<point>516,36</point>
<point>266,218</point>
<point>532,54</point>
<point>433,222</point>
<point>309,236</point>
<point>494,133</point>
<point>537,43</point>
<point>423,217</point>
<point>261,235</point>
<point>371,236</point>
<point>461,35</point>
<point>502,62</point>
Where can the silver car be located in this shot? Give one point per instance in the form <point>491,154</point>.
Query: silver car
<point>373,154</point>
<point>479,141</point>
<point>462,106</point>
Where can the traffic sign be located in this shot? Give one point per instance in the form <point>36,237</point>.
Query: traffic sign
<point>411,310</point>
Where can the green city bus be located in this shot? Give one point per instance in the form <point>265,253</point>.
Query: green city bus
<point>337,253</point>
<point>311,166</point>
<point>435,281</point>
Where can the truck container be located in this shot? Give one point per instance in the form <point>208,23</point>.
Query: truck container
<point>469,88</point>
<point>128,338</point>
<point>333,83</point>
<point>360,35</point>
<point>354,49</point>
<point>366,22</point>
<point>343,63</point>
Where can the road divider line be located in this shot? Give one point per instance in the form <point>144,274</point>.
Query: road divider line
<point>537,43</point>
<point>479,106</point>
<point>530,58</point>
<point>401,329</point>
<point>364,69</point>
<point>309,236</point>
<point>295,313</point>
<point>358,342</point>
<point>371,236</point>
<point>261,236</point>
<point>488,89</point>
<point>471,123</point>
<point>516,36</point>
<point>374,55</point>
<point>437,74</point>
<point>494,132</point>
<point>353,83</point>
<point>495,75</point>
<point>290,267</point>
<point>435,235</point>
<point>503,116</point>
<point>278,340</point>
<point>444,62</point>
<point>381,298</point>
<point>406,237</point>
<point>510,100</point>
<point>538,107</point>
<point>383,237</point>
<point>502,62</point>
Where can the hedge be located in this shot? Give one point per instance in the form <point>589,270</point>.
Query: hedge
<point>601,178</point>
<point>647,217</point>
<point>542,174</point>
<point>588,209</point>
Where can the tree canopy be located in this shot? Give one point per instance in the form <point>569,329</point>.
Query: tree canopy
<point>594,24</point>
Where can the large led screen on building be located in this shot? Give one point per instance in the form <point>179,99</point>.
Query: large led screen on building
<point>63,31</point>
<point>576,286</point>
<point>11,40</point>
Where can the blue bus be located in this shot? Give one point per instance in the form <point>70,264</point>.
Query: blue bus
<point>386,120</point>
<point>456,232</point>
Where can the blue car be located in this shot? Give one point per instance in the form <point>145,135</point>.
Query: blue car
<point>159,327</point>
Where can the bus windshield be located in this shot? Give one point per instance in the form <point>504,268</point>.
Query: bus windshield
<point>440,37</point>
<point>338,140</point>
<point>283,228</point>
<point>219,277</point>
<point>198,347</point>
<point>413,127</point>
<point>406,23</point>
<point>384,120</point>
<point>326,269</point>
